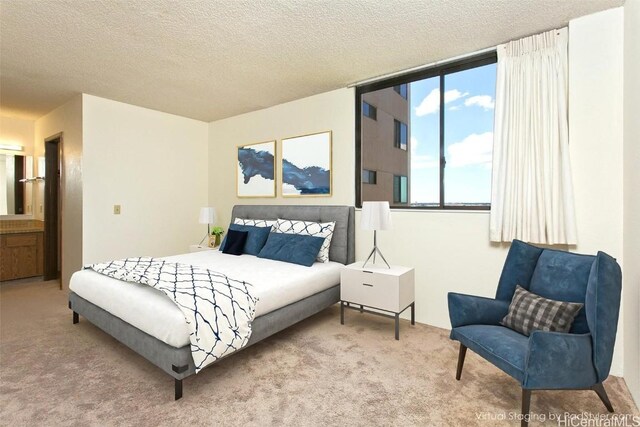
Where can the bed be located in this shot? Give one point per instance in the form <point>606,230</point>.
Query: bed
<point>153,327</point>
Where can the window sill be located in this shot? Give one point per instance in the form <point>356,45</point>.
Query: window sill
<point>439,211</point>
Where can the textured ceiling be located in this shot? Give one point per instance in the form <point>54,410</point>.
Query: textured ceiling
<point>214,59</point>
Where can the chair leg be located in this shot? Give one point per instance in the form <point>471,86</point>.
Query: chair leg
<point>461,355</point>
<point>526,404</point>
<point>602,394</point>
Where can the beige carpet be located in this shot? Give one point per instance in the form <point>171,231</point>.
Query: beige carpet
<point>317,373</point>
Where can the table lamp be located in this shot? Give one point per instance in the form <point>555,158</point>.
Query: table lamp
<point>375,216</point>
<point>207,216</point>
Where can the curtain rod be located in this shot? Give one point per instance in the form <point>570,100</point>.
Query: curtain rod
<point>421,67</point>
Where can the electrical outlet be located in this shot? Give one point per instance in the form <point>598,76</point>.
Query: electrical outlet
<point>116,209</point>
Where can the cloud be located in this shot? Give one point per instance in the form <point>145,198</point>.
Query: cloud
<point>414,144</point>
<point>475,149</point>
<point>431,103</point>
<point>484,101</point>
<point>421,161</point>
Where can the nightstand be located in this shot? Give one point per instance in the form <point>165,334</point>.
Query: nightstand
<point>390,290</point>
<point>200,248</point>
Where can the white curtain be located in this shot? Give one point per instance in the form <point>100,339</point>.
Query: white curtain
<point>532,194</point>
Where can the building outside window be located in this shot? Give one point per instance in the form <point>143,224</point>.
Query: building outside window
<point>368,177</point>
<point>400,135</point>
<point>383,158</point>
<point>399,189</point>
<point>402,90</point>
<point>369,111</point>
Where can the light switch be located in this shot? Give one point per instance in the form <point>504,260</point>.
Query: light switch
<point>116,209</point>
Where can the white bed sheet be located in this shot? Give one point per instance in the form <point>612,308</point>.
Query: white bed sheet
<point>276,284</point>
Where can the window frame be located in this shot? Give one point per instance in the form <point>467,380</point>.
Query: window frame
<point>372,108</point>
<point>371,173</point>
<point>397,134</point>
<point>406,181</point>
<point>440,71</point>
<point>399,90</point>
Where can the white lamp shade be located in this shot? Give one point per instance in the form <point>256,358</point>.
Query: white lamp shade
<point>375,216</point>
<point>207,215</point>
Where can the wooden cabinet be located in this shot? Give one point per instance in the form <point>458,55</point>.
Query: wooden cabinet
<point>21,255</point>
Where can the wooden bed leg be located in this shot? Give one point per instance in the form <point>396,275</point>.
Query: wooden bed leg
<point>76,318</point>
<point>178,389</point>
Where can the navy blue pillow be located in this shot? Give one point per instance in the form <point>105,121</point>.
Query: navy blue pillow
<point>293,248</point>
<point>234,242</point>
<point>256,237</point>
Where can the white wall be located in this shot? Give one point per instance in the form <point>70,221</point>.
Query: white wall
<point>154,165</point>
<point>631,277</point>
<point>16,131</point>
<point>451,250</point>
<point>595,137</point>
<point>328,111</point>
<point>66,119</point>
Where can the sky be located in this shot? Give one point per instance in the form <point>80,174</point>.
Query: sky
<point>469,104</point>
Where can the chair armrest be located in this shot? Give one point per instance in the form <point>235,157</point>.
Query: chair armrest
<point>474,310</point>
<point>558,360</point>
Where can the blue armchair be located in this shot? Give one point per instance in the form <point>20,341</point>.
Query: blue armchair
<point>578,360</point>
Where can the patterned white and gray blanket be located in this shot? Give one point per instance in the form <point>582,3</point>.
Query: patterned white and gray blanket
<point>219,310</point>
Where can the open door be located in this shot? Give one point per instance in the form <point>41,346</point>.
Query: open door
<point>52,217</point>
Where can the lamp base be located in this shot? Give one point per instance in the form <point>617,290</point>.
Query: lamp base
<point>203,239</point>
<point>373,254</point>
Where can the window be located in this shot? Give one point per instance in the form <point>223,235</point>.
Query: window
<point>399,189</point>
<point>400,135</point>
<point>442,136</point>
<point>369,177</point>
<point>369,111</point>
<point>402,90</point>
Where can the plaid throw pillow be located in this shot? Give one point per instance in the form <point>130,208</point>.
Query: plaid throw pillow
<point>529,312</point>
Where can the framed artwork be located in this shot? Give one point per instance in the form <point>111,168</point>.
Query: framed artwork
<point>255,170</point>
<point>306,165</point>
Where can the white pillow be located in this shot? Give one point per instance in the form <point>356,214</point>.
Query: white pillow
<point>308,228</point>
<point>255,222</point>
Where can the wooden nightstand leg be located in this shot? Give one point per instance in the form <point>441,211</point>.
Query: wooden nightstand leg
<point>397,326</point>
<point>341,312</point>
<point>413,313</point>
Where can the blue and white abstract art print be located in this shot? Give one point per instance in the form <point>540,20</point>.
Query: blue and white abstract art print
<point>256,170</point>
<point>306,165</point>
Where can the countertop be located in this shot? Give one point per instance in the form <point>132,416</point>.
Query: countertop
<point>21,226</point>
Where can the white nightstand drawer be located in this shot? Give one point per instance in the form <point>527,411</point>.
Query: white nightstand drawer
<point>373,290</point>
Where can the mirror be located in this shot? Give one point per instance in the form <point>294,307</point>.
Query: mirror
<point>15,196</point>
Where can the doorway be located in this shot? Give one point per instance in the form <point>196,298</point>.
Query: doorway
<point>52,208</point>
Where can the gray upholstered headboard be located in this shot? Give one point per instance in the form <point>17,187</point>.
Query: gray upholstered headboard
<point>343,242</point>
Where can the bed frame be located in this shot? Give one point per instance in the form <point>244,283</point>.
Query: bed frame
<point>177,362</point>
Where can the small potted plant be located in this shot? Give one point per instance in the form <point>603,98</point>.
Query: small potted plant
<point>216,233</point>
